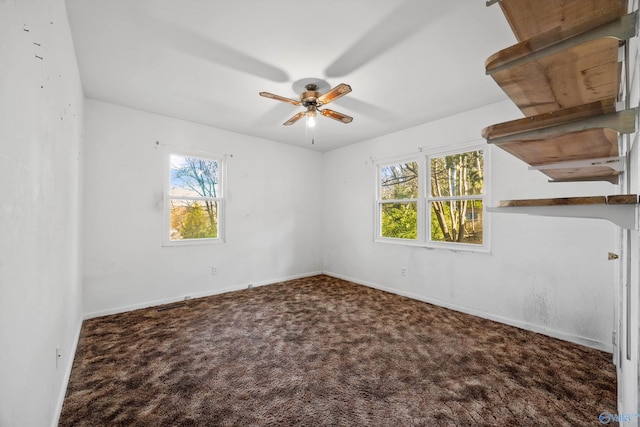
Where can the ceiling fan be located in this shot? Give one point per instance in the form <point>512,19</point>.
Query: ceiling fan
<point>312,100</point>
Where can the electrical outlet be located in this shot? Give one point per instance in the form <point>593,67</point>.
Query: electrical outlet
<point>214,270</point>
<point>249,286</point>
<point>403,271</point>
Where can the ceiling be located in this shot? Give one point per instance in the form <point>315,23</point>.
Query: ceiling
<point>205,61</point>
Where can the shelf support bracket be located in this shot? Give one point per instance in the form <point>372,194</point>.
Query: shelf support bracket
<point>620,209</point>
<point>622,121</point>
<point>622,215</point>
<point>615,163</point>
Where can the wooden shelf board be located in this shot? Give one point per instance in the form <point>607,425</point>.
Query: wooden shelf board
<point>541,121</point>
<point>590,200</point>
<point>530,18</point>
<point>585,73</point>
<point>532,129</point>
<point>623,199</point>
<point>554,41</point>
<point>582,145</point>
<point>616,199</point>
<point>570,135</point>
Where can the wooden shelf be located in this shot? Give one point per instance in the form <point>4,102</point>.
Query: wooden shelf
<point>556,142</point>
<point>545,74</point>
<point>530,18</point>
<point>621,210</point>
<point>618,199</point>
<point>564,75</point>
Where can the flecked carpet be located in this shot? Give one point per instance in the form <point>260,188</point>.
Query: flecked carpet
<point>321,351</point>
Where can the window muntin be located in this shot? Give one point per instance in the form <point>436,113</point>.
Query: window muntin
<point>195,198</point>
<point>434,200</point>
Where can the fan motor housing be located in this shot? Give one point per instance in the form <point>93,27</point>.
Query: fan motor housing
<point>309,97</point>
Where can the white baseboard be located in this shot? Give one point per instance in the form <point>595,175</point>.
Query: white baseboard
<point>181,298</point>
<point>587,342</point>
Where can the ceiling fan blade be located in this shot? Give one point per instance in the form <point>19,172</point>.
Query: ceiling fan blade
<point>335,93</point>
<point>336,116</point>
<point>295,118</point>
<point>205,48</point>
<point>397,26</point>
<point>279,98</point>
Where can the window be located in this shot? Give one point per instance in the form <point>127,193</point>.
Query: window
<point>194,199</point>
<point>434,200</point>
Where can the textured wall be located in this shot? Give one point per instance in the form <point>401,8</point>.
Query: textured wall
<point>40,141</point>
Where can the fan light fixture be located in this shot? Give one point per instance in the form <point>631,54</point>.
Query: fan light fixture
<point>311,121</point>
<point>311,116</point>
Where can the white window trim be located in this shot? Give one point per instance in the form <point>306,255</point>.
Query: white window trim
<point>221,199</point>
<point>424,199</point>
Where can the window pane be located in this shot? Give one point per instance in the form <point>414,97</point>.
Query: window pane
<point>399,220</point>
<point>194,176</point>
<point>457,174</point>
<point>399,181</point>
<point>457,221</point>
<point>193,220</point>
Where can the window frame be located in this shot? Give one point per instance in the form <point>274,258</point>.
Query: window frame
<point>423,158</point>
<point>220,199</point>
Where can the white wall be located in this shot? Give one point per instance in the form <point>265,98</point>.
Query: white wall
<point>273,212</point>
<point>547,274</point>
<point>40,141</point>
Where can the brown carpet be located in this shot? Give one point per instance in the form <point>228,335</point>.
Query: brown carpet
<point>325,352</point>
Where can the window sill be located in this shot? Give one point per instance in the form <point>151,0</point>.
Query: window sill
<point>454,247</point>
<point>192,242</point>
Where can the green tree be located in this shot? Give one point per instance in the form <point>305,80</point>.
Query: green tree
<point>400,220</point>
<point>197,224</point>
